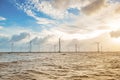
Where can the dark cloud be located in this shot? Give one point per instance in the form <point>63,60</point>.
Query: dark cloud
<point>93,7</point>
<point>115,34</point>
<point>19,37</point>
<point>61,4</point>
<point>41,41</point>
<point>117,10</point>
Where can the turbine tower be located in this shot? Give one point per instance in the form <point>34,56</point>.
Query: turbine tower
<point>30,46</point>
<point>98,46</point>
<point>59,45</point>
<point>76,47</point>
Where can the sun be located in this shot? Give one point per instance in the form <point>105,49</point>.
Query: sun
<point>116,40</point>
<point>114,24</point>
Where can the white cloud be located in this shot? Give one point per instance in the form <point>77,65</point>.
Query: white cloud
<point>2,18</point>
<point>1,27</point>
<point>39,19</point>
<point>65,4</point>
<point>48,7</point>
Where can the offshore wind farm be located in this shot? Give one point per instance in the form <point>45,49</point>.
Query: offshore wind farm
<point>59,39</point>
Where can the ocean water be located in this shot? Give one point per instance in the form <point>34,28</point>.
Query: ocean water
<point>5,57</point>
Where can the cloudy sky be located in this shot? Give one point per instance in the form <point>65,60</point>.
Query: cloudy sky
<point>43,22</point>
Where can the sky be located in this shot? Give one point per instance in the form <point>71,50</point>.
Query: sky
<point>43,22</point>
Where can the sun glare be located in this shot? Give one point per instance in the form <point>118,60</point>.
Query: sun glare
<point>116,40</point>
<point>114,25</point>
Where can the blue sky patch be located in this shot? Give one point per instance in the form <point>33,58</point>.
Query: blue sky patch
<point>74,11</point>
